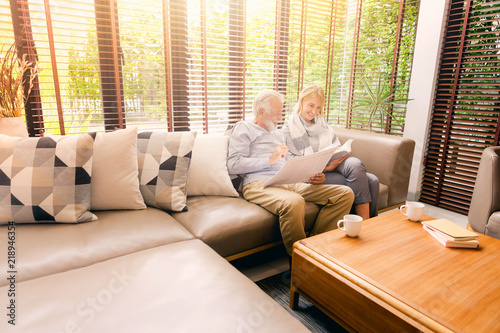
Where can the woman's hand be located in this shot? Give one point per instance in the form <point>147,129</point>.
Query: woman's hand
<point>335,163</point>
<point>278,153</point>
<point>317,179</point>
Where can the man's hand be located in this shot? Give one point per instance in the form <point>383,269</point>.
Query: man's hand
<point>335,163</point>
<point>279,152</point>
<point>317,179</point>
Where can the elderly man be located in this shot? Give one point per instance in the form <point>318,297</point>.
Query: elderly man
<point>257,152</point>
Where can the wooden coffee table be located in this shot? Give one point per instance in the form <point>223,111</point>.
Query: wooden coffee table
<point>395,277</point>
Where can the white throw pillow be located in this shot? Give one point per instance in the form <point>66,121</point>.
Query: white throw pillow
<point>208,173</point>
<point>115,172</point>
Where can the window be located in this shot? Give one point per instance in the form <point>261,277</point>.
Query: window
<point>466,104</point>
<point>197,64</point>
<point>378,42</point>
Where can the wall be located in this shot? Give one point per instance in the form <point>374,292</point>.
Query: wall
<point>430,26</point>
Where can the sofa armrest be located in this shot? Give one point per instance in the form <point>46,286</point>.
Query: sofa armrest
<point>388,157</point>
<point>486,196</point>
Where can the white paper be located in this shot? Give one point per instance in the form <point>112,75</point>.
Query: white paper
<point>301,169</point>
<point>341,151</point>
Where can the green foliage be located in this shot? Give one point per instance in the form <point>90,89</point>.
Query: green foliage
<point>378,101</point>
<point>316,48</point>
<point>327,44</point>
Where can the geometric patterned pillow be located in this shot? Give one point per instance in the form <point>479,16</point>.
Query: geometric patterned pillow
<point>45,179</point>
<point>164,159</point>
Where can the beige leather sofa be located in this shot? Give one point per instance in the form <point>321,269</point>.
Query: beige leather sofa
<point>386,156</point>
<point>152,271</point>
<point>484,211</point>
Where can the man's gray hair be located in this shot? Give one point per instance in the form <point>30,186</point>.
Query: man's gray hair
<point>263,101</point>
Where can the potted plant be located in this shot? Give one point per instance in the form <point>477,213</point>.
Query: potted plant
<point>12,84</point>
<point>378,100</point>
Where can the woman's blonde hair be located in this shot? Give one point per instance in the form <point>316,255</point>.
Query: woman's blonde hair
<point>309,92</point>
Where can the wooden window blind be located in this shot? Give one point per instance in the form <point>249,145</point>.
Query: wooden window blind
<point>66,48</point>
<point>317,36</point>
<point>261,46</point>
<point>466,106</point>
<point>378,42</point>
<point>336,44</point>
<point>198,64</point>
<point>6,29</point>
<point>216,42</point>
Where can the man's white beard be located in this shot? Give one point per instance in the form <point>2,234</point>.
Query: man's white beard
<point>270,125</point>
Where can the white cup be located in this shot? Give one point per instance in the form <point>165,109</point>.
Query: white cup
<point>351,225</point>
<point>414,210</point>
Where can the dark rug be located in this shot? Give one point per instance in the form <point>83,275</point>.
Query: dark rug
<point>278,287</point>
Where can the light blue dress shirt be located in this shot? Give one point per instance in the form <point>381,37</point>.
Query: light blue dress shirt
<point>250,147</point>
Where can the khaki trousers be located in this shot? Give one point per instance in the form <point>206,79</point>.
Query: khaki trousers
<point>289,203</point>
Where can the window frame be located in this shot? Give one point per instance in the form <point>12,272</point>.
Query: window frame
<point>176,67</point>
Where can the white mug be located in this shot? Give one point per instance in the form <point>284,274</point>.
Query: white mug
<point>351,224</point>
<point>414,210</point>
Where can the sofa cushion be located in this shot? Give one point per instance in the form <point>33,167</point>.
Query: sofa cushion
<point>45,179</point>
<point>234,225</point>
<point>164,159</point>
<point>389,157</point>
<point>493,225</point>
<point>383,196</point>
<point>208,173</point>
<point>54,248</point>
<point>115,182</point>
<point>181,287</point>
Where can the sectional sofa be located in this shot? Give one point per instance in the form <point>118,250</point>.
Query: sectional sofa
<point>484,211</point>
<point>134,232</point>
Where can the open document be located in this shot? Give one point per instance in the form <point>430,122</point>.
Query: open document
<point>300,169</point>
<point>341,151</point>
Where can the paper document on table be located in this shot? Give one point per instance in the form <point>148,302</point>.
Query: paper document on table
<point>300,169</point>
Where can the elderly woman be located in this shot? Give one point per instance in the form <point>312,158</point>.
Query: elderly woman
<point>306,132</point>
